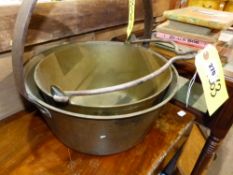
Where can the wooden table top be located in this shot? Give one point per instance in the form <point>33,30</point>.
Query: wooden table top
<point>27,147</point>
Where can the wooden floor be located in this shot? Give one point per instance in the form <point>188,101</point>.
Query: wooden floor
<point>27,147</point>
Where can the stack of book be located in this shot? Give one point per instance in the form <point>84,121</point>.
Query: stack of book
<point>193,27</point>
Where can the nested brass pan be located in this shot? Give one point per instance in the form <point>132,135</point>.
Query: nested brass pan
<point>93,65</point>
<point>96,134</point>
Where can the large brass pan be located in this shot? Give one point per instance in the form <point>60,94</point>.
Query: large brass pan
<point>93,65</point>
<point>96,134</point>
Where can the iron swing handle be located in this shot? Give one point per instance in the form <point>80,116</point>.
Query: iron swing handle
<point>20,33</point>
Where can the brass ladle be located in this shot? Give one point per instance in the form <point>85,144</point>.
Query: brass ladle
<point>64,96</point>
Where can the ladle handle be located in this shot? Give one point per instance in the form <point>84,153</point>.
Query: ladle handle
<point>21,30</point>
<point>66,94</point>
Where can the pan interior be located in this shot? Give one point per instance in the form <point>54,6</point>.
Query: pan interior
<point>92,65</point>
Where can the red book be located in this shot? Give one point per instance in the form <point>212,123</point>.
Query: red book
<point>181,40</point>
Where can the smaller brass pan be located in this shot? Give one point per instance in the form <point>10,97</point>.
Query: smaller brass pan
<point>92,65</point>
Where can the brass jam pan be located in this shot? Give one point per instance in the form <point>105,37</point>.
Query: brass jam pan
<point>96,134</point>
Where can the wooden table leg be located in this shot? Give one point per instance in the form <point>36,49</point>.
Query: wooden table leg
<point>220,124</point>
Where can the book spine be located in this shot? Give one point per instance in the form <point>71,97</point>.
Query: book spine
<point>181,40</point>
